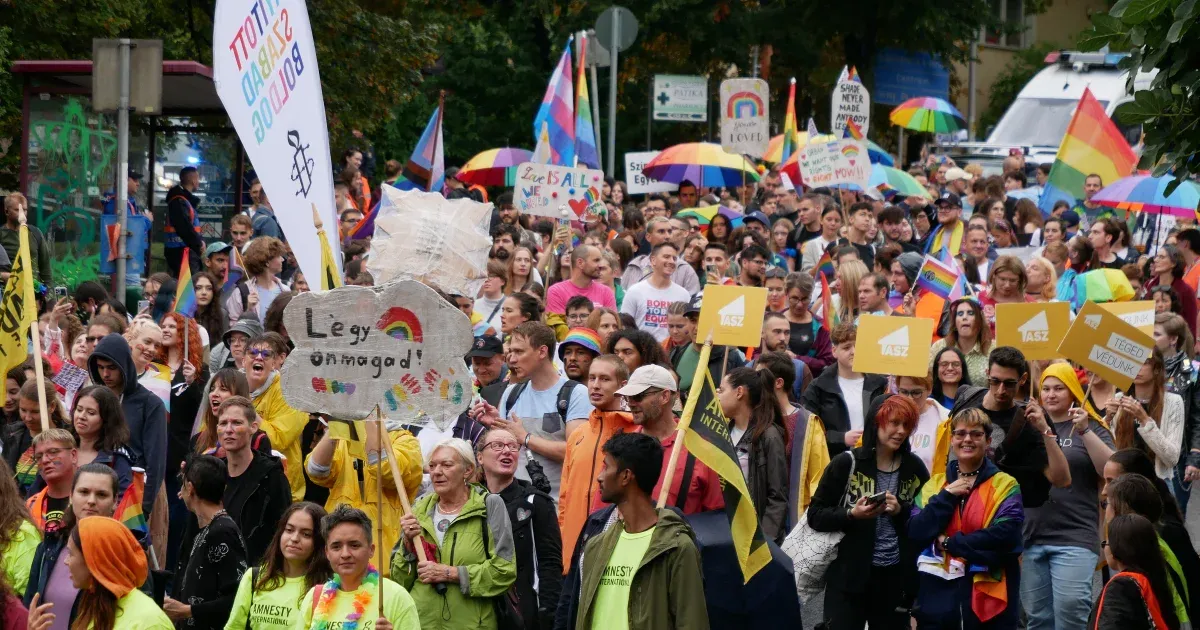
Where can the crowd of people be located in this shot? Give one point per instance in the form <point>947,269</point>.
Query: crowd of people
<point>173,485</point>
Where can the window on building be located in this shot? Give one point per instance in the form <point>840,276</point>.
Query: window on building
<point>1010,13</point>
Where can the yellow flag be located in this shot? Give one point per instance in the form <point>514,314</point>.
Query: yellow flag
<point>330,278</point>
<point>18,310</point>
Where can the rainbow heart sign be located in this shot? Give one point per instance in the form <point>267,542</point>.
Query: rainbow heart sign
<point>843,162</point>
<point>398,347</point>
<point>745,118</point>
<point>545,190</point>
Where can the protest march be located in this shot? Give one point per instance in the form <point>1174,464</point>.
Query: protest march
<point>793,380</point>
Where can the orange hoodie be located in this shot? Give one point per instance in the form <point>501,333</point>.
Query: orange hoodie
<point>577,495</point>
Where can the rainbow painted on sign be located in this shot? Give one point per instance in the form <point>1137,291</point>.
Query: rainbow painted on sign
<point>331,386</point>
<point>401,324</point>
<point>269,60</point>
<point>744,105</point>
<point>849,151</point>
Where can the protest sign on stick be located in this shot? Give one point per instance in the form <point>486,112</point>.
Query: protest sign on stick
<point>832,163</point>
<point>398,347</point>
<point>893,345</point>
<point>851,101</point>
<point>637,182</point>
<point>745,122</point>
<point>541,188</point>
<point>1139,314</point>
<point>1034,329</point>
<point>1105,344</point>
<point>732,315</point>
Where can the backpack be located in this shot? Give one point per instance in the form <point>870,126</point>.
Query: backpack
<point>563,401</point>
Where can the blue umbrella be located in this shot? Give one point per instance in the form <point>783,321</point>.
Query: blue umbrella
<point>879,155</point>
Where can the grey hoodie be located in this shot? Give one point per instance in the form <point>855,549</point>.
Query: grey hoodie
<point>220,356</point>
<point>145,415</point>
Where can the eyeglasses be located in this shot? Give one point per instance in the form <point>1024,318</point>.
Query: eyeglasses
<point>91,339</point>
<point>957,365</point>
<point>502,447</point>
<point>912,393</point>
<point>50,453</point>
<point>260,353</point>
<point>1006,383</point>
<point>643,395</point>
<point>962,434</point>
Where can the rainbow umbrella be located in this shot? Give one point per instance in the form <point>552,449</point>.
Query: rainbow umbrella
<point>893,181</point>
<point>1145,193</point>
<point>703,164</point>
<point>775,146</point>
<point>703,215</point>
<point>1104,285</point>
<point>494,167</point>
<point>925,113</point>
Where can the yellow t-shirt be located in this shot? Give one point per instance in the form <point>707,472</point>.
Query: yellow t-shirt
<point>398,608</point>
<point>17,558</point>
<point>611,610</point>
<point>136,611</point>
<point>274,609</point>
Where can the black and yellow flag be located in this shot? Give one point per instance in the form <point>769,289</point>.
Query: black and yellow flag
<point>706,436</point>
<point>18,309</point>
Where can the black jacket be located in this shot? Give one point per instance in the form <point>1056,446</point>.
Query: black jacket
<point>538,547</point>
<point>211,564</point>
<point>256,500</point>
<point>1191,427</point>
<point>180,218</point>
<point>1121,607</point>
<point>824,398</point>
<point>851,570</point>
<point>16,440</point>
<point>185,405</point>
<point>145,415</point>
<point>768,481</point>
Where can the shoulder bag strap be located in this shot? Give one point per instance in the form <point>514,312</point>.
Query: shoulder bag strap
<point>685,482</point>
<point>849,480</point>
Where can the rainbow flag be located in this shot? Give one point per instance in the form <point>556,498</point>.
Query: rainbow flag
<point>852,130</point>
<point>426,169</point>
<point>365,228</point>
<point>185,293</point>
<point>791,137</point>
<point>829,317</point>
<point>129,510</point>
<point>585,133</point>
<point>235,270</point>
<point>1092,146</point>
<point>825,265</point>
<point>850,74</point>
<point>940,279</point>
<point>557,112</point>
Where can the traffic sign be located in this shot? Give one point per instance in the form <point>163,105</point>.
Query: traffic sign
<point>627,27</point>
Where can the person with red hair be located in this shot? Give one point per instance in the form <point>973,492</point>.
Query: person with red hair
<point>876,560</point>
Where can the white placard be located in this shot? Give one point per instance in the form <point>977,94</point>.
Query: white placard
<point>265,72</point>
<point>542,189</point>
<point>638,183</point>
<point>832,163</point>
<point>745,119</point>
<point>398,347</point>
<point>850,100</point>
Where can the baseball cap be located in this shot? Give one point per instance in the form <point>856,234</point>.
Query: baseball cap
<point>956,174</point>
<point>584,337</point>
<point>949,199</point>
<point>757,216</point>
<point>695,303</point>
<point>136,175</point>
<point>486,347</point>
<point>218,247</point>
<point>646,377</point>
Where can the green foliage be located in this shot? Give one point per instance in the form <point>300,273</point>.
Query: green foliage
<point>1154,32</point>
<point>1023,66</point>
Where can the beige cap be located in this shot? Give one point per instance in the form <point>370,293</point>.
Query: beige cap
<point>956,174</point>
<point>646,377</point>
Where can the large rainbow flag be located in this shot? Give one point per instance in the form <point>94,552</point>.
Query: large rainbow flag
<point>557,112</point>
<point>585,133</point>
<point>1092,146</point>
<point>129,510</point>
<point>791,136</point>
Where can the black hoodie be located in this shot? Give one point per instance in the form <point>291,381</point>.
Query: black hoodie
<point>145,415</point>
<point>256,500</point>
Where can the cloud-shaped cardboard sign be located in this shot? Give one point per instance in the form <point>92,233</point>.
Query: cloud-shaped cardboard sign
<point>400,347</point>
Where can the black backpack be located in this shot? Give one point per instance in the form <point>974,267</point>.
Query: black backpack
<point>563,402</point>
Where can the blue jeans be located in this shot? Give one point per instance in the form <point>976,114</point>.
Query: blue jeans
<point>1180,489</point>
<point>1056,586</point>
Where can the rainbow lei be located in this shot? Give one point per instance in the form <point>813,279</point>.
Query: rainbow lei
<point>362,598</point>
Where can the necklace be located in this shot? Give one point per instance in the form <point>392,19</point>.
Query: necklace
<point>973,473</point>
<point>451,510</point>
<point>362,597</point>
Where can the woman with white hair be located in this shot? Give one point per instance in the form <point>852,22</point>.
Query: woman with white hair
<point>468,530</point>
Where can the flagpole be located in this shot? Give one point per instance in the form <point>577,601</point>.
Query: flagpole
<point>684,421</point>
<point>379,497</point>
<point>26,267</point>
<point>433,156</point>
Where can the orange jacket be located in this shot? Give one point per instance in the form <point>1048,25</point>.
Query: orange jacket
<point>577,489</point>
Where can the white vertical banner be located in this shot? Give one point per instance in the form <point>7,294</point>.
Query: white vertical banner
<point>265,71</point>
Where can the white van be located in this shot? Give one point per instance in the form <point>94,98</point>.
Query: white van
<point>1037,120</point>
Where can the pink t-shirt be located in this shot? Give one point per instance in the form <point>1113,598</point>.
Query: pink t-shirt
<point>562,292</point>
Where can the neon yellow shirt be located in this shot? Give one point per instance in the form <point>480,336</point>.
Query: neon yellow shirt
<point>611,610</point>
<point>136,611</point>
<point>17,558</point>
<point>278,608</point>
<point>398,608</point>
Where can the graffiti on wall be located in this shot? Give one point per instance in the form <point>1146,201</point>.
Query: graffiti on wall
<point>70,158</point>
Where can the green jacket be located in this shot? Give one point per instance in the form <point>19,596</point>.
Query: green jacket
<point>668,588</point>
<point>486,568</point>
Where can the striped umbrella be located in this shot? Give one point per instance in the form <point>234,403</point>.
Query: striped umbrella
<point>1145,193</point>
<point>893,181</point>
<point>703,164</point>
<point>1104,285</point>
<point>928,114</point>
<point>494,167</point>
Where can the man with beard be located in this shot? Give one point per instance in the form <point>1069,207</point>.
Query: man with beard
<point>776,336</point>
<point>754,266</point>
<point>647,301</point>
<point>585,270</point>
<point>649,394</point>
<point>577,351</point>
<point>504,239</point>
<point>509,214</point>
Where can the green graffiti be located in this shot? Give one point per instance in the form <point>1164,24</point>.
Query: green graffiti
<point>72,155</point>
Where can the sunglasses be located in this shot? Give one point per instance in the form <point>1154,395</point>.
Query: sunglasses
<point>643,395</point>
<point>261,353</point>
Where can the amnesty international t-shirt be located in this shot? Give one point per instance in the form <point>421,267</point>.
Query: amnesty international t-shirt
<point>278,608</point>
<point>612,598</point>
<point>398,608</point>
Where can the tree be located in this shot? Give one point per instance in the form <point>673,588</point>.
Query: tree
<point>1155,33</point>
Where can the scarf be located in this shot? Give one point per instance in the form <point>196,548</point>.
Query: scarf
<point>329,591</point>
<point>1066,374</point>
<point>112,554</point>
<point>939,239</point>
<point>991,501</point>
